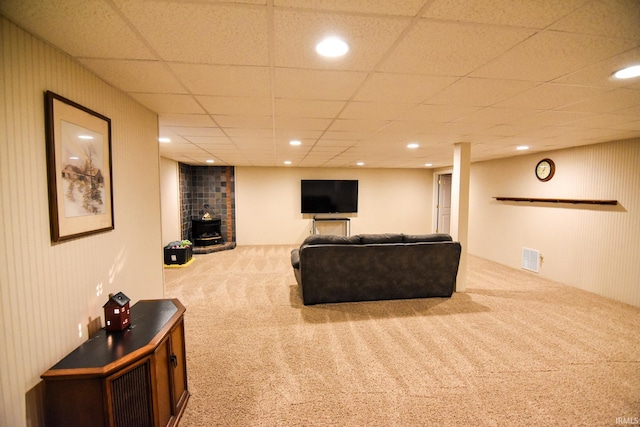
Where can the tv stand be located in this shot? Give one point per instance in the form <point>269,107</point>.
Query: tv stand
<point>346,221</point>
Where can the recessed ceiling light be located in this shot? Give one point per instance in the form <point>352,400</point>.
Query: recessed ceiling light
<point>360,163</point>
<point>428,164</point>
<point>332,47</point>
<point>209,161</point>
<point>413,145</point>
<point>295,142</point>
<point>287,162</point>
<point>628,73</point>
<point>522,147</point>
<point>164,139</point>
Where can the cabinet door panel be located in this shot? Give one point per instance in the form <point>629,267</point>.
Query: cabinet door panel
<point>163,383</point>
<point>130,398</point>
<point>179,366</point>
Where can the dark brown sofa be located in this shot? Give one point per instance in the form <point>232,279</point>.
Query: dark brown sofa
<point>370,267</point>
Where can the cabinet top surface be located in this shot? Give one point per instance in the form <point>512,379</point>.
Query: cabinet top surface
<point>148,319</point>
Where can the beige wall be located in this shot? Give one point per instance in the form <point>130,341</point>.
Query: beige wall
<point>170,199</point>
<point>49,292</point>
<point>595,248</point>
<point>389,200</point>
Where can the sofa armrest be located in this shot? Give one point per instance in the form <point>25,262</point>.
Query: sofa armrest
<point>295,258</point>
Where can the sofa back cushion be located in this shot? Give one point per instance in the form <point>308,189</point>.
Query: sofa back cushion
<point>435,237</point>
<point>381,238</point>
<point>331,239</point>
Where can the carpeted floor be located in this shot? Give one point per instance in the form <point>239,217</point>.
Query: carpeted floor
<point>513,350</point>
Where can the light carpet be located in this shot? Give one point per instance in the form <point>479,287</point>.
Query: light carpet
<point>513,350</point>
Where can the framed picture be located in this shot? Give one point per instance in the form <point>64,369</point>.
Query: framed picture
<point>78,168</point>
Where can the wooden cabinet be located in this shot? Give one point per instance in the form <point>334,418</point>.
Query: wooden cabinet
<point>131,378</point>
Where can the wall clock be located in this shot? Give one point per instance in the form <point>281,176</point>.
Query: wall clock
<point>545,170</point>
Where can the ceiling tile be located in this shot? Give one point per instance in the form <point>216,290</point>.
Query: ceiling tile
<point>506,130</point>
<point>520,13</point>
<point>253,143</point>
<point>552,54</point>
<point>340,138</point>
<point>186,120</point>
<point>299,123</point>
<point>210,141</point>
<point>79,27</point>
<point>410,88</point>
<point>611,121</point>
<point>630,111</point>
<point>334,145</point>
<point>600,73</point>
<point>316,84</point>
<point>450,48</point>
<point>304,135</point>
<point>236,105</point>
<point>191,131</point>
<point>308,108</point>
<point>495,116</point>
<point>459,128</point>
<point>224,80</point>
<point>204,33</point>
<point>613,18</point>
<point>357,125</point>
<point>249,132</point>
<point>168,103</point>
<point>375,110</point>
<point>386,7</point>
<point>611,101</point>
<point>479,92</point>
<point>550,118</point>
<point>408,127</point>
<point>633,125</point>
<point>550,96</point>
<point>368,37</point>
<point>438,113</point>
<point>135,75</point>
<point>243,121</point>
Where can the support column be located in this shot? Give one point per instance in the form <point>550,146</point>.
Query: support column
<point>460,206</point>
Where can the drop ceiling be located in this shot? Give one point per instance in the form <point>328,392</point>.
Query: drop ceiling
<point>235,81</point>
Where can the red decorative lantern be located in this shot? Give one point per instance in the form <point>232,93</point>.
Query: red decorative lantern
<point>116,312</point>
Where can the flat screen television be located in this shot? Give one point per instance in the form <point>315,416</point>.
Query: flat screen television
<point>329,196</point>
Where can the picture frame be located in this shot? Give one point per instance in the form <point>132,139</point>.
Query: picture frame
<point>80,184</point>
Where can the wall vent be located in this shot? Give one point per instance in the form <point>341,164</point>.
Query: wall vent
<point>530,259</point>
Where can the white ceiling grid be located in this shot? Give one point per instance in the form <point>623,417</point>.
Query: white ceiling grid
<point>234,81</point>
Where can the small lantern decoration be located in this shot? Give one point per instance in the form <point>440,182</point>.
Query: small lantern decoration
<point>116,312</point>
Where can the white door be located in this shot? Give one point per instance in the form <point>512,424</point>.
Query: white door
<point>444,204</point>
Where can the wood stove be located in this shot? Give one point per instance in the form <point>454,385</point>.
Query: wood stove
<point>206,232</point>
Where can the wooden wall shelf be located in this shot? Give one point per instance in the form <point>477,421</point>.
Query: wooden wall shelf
<point>572,201</point>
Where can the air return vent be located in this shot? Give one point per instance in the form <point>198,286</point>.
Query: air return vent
<point>530,259</point>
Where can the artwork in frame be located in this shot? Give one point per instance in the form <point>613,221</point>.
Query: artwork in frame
<point>78,168</point>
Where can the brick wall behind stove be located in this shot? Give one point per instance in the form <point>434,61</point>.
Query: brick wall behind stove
<point>211,185</point>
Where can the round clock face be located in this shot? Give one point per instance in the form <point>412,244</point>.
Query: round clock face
<point>545,169</point>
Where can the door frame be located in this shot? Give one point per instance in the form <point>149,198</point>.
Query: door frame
<point>436,194</point>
